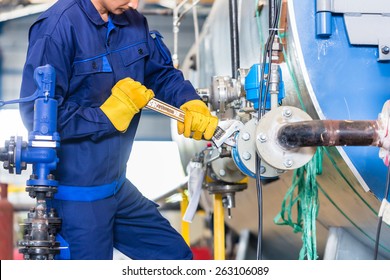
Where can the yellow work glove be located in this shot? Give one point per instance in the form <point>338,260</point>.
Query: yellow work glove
<point>126,99</point>
<point>197,119</point>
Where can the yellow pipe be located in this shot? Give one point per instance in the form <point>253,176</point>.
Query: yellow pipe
<point>185,226</point>
<point>219,228</point>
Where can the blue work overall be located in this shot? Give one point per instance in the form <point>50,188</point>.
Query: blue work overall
<point>98,211</point>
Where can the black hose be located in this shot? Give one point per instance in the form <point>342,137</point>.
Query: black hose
<point>234,38</point>
<point>274,18</point>
<point>259,254</point>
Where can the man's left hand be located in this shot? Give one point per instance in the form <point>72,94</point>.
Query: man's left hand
<point>197,120</point>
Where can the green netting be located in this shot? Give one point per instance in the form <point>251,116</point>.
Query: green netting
<point>304,188</point>
<point>303,195</point>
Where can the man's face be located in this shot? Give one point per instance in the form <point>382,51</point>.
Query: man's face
<point>116,6</point>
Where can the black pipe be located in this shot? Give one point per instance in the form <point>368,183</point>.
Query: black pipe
<point>328,133</point>
<point>234,39</point>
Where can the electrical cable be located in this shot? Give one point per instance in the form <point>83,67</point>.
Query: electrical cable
<point>261,111</point>
<point>379,226</point>
<point>259,251</point>
<point>271,38</point>
<point>267,53</point>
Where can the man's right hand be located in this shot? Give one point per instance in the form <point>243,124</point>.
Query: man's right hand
<point>126,99</point>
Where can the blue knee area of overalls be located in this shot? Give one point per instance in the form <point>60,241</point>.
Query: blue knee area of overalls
<point>141,232</point>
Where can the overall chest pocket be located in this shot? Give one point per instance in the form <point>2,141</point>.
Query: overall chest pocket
<point>91,82</point>
<point>134,53</point>
<point>92,66</point>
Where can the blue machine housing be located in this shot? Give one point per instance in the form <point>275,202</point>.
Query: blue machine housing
<point>252,86</point>
<point>348,81</point>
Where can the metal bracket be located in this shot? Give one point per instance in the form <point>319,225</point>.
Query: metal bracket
<point>367,23</point>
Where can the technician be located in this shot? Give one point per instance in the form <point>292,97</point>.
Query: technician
<point>108,66</point>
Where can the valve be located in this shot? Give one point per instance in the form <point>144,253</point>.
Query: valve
<point>41,226</point>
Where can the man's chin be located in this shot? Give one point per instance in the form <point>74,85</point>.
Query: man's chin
<point>119,11</point>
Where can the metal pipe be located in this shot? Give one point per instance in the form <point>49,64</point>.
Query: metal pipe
<point>234,38</point>
<point>175,30</point>
<point>219,228</point>
<point>329,133</point>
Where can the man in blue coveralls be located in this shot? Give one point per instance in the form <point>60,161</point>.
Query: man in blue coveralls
<point>108,66</point>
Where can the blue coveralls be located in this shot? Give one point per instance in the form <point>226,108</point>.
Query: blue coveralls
<point>99,207</point>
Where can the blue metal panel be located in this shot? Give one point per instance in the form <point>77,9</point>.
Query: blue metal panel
<point>252,86</point>
<point>348,82</point>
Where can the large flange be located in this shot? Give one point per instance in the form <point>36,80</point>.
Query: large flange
<point>244,153</point>
<point>267,143</point>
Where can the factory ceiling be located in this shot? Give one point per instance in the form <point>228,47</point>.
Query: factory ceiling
<point>11,9</point>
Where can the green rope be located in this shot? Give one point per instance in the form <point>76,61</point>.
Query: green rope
<point>303,194</point>
<point>326,150</point>
<point>307,190</point>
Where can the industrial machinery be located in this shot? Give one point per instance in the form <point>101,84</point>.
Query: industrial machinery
<point>42,224</point>
<point>315,81</point>
<point>308,83</point>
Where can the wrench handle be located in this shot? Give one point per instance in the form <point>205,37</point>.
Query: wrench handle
<point>166,109</point>
<point>177,114</point>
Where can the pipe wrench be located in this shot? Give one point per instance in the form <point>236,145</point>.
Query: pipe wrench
<point>224,133</point>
